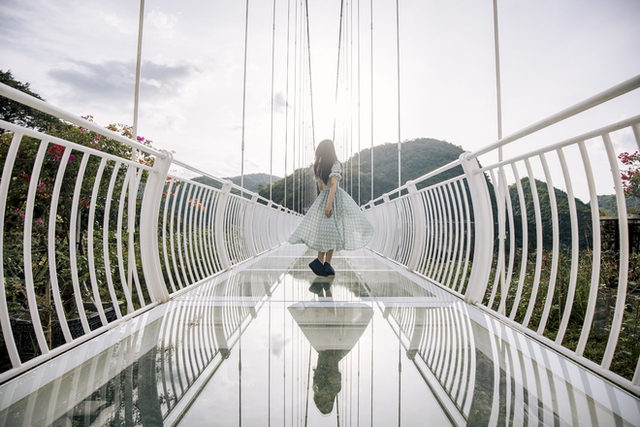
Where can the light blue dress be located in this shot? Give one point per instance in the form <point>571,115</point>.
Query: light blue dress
<point>346,229</point>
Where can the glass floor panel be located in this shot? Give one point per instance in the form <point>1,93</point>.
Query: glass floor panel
<point>270,343</point>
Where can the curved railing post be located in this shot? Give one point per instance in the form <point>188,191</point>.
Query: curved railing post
<point>483,229</point>
<point>221,207</point>
<point>149,214</point>
<point>419,226</point>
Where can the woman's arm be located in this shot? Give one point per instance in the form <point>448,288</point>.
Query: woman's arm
<point>332,191</point>
<point>320,185</point>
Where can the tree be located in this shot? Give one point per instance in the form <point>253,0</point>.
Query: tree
<point>19,114</point>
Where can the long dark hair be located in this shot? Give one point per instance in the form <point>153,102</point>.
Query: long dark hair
<point>325,158</point>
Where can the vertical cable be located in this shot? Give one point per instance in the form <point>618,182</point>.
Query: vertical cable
<point>136,96</point>
<point>244,92</point>
<point>358,79</point>
<point>351,156</point>
<point>273,50</point>
<point>335,116</point>
<point>371,12</point>
<point>295,108</point>
<point>496,39</point>
<point>134,155</point>
<point>286,109</point>
<point>313,131</point>
<point>398,64</point>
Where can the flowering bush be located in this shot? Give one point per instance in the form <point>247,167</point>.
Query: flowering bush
<point>73,181</point>
<point>631,175</point>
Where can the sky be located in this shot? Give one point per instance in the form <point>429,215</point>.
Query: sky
<point>80,56</point>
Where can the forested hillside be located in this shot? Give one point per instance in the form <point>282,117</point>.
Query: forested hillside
<point>253,182</point>
<point>419,157</point>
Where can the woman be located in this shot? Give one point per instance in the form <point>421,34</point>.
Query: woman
<point>334,221</point>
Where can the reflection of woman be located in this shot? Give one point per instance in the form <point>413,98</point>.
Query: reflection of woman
<point>321,286</point>
<point>327,380</point>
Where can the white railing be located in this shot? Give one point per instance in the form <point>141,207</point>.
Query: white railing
<point>90,237</point>
<point>513,237</point>
<point>484,373</point>
<point>167,357</point>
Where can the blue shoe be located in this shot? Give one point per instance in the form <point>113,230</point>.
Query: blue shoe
<point>330,271</point>
<point>317,267</point>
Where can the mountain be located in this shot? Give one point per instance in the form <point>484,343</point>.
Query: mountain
<point>419,156</point>
<point>583,211</point>
<point>252,182</point>
<point>255,181</point>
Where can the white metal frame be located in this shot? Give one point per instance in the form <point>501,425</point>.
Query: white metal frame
<point>168,233</point>
<point>463,231</point>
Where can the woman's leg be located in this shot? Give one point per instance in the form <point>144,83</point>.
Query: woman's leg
<point>329,256</point>
<point>321,256</point>
<point>327,265</point>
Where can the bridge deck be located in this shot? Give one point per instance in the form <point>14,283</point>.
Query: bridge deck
<point>269,342</point>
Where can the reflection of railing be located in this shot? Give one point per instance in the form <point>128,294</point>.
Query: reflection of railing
<point>199,332</point>
<point>149,370</point>
<point>93,234</point>
<point>512,236</point>
<point>485,373</point>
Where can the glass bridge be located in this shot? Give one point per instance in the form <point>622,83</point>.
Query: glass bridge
<point>138,290</point>
<point>270,343</point>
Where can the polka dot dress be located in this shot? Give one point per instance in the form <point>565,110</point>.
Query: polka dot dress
<point>346,229</point>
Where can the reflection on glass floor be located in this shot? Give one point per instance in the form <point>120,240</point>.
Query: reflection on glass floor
<point>270,344</point>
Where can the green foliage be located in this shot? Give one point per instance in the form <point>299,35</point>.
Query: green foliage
<point>627,350</point>
<point>19,114</point>
<point>63,165</point>
<point>564,219</point>
<point>609,206</point>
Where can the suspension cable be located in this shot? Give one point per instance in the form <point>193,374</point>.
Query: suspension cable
<point>313,131</point>
<point>286,108</point>
<point>358,79</point>
<point>295,106</point>
<point>136,96</point>
<point>398,64</point>
<point>273,50</point>
<point>496,39</point>
<point>350,89</point>
<point>335,116</point>
<point>244,92</point>
<point>371,12</point>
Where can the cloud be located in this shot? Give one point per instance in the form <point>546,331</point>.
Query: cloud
<point>163,22</point>
<point>116,79</point>
<point>113,20</point>
<point>279,103</point>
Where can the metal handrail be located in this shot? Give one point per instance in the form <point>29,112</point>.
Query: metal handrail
<point>487,237</point>
<point>30,101</point>
<point>589,103</point>
<point>121,236</point>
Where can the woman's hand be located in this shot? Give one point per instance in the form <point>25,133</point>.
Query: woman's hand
<point>328,211</point>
